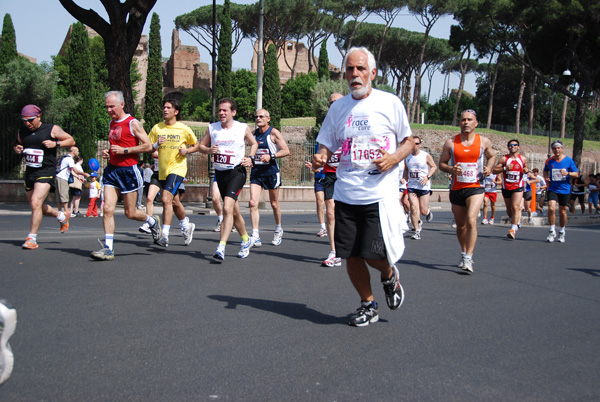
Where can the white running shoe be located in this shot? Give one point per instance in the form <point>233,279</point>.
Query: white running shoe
<point>322,233</point>
<point>467,265</point>
<point>485,221</point>
<point>277,238</point>
<point>145,228</point>
<point>332,260</point>
<point>219,253</point>
<point>551,237</point>
<point>429,216</point>
<point>245,249</point>
<point>492,221</point>
<point>188,235</point>
<point>416,236</point>
<point>561,236</point>
<point>8,323</point>
<point>255,241</point>
<point>218,226</point>
<point>163,241</point>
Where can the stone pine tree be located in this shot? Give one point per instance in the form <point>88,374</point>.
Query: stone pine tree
<point>323,62</point>
<point>81,84</point>
<point>224,54</point>
<point>272,87</point>
<point>153,101</point>
<point>8,49</point>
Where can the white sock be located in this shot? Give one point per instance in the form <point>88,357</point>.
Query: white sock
<point>278,228</point>
<point>108,240</point>
<point>220,218</point>
<point>553,228</point>
<point>184,224</point>
<point>165,230</point>
<point>255,233</point>
<point>323,226</point>
<point>61,216</point>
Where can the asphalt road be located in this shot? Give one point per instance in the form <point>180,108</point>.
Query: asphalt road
<point>172,325</point>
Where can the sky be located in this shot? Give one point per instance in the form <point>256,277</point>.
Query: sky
<point>41,27</point>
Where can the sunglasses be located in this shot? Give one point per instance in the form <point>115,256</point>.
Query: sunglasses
<point>513,145</point>
<point>417,143</point>
<point>260,116</point>
<point>29,120</point>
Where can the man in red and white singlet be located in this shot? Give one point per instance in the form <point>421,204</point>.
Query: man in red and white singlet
<point>513,167</point>
<point>127,139</point>
<point>469,157</point>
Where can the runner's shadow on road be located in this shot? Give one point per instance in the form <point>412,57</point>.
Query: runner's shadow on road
<point>296,311</point>
<point>592,272</point>
<point>454,270</point>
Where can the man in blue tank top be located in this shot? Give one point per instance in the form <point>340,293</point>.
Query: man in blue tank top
<point>265,174</point>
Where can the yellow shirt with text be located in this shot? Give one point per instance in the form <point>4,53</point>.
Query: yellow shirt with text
<point>170,161</point>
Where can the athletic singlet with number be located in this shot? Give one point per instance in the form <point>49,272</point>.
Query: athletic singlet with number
<point>512,178</point>
<point>418,169</point>
<point>490,183</point>
<point>231,144</point>
<point>266,146</point>
<point>121,134</point>
<point>470,159</point>
<point>333,162</point>
<point>559,183</point>
<point>35,153</point>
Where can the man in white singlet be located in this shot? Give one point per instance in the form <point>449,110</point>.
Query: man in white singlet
<point>226,140</point>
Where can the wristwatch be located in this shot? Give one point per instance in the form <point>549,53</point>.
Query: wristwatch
<point>125,151</point>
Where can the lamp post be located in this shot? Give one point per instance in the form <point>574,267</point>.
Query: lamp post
<point>554,80</point>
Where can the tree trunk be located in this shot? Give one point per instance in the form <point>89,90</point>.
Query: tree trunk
<point>580,110</point>
<point>531,104</point>
<point>563,117</point>
<point>492,87</point>
<point>520,101</point>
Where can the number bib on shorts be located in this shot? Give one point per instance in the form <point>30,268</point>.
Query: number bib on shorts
<point>33,157</point>
<point>469,173</point>
<point>364,150</point>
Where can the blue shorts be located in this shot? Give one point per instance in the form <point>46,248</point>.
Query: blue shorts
<point>420,193</point>
<point>319,184</point>
<point>593,198</point>
<point>171,184</point>
<point>127,179</point>
<point>270,182</point>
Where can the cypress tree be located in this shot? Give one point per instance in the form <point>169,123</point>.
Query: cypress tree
<point>8,49</point>
<point>323,62</point>
<point>81,85</point>
<point>154,83</point>
<point>272,87</point>
<point>224,54</point>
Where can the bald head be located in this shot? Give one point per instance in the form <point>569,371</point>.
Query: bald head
<point>262,118</point>
<point>335,96</point>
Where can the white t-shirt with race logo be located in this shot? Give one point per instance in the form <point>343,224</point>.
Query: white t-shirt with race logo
<point>362,128</point>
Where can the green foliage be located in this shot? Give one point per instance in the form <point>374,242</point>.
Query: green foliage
<point>296,98</point>
<point>223,83</point>
<point>80,84</point>
<point>272,87</point>
<point>153,100</point>
<point>26,83</point>
<point>244,93</point>
<point>320,101</point>
<point>191,101</point>
<point>323,61</point>
<point>443,109</point>
<point>8,48</point>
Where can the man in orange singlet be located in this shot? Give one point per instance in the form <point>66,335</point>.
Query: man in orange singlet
<point>469,157</point>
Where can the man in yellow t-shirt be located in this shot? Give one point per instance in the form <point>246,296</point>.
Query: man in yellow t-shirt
<point>174,140</point>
